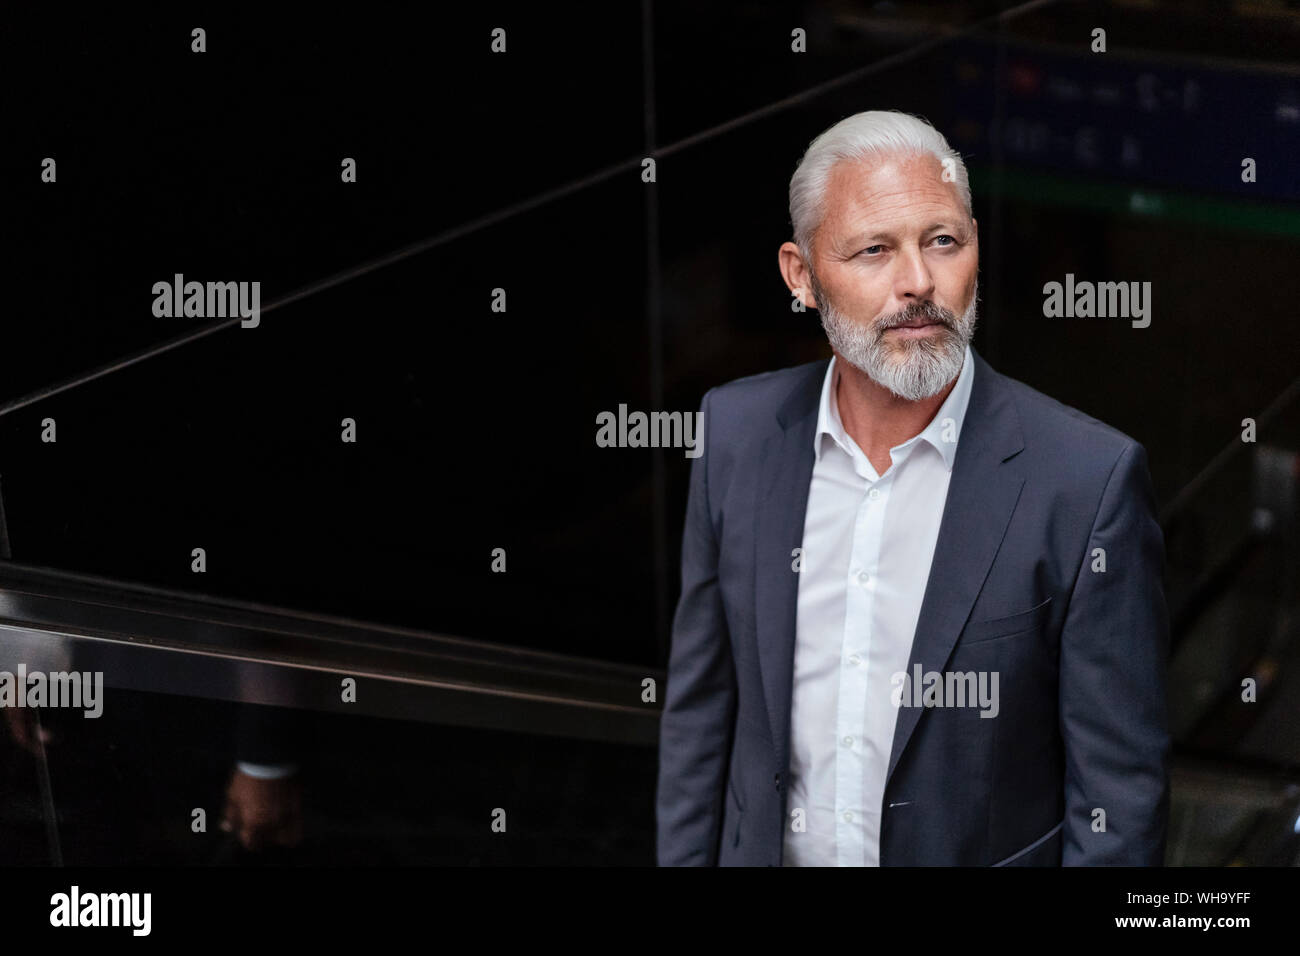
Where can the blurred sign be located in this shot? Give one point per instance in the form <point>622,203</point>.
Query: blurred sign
<point>1169,123</point>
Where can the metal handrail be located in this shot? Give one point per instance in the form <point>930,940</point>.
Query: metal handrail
<point>139,636</point>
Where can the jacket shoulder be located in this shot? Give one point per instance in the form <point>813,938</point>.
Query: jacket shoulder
<point>761,395</point>
<point>1067,434</point>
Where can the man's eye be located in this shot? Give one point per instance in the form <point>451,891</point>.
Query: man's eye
<point>871,250</point>
<point>949,238</point>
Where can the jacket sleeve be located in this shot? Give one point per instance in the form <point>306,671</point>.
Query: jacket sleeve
<point>696,726</point>
<point>1114,656</point>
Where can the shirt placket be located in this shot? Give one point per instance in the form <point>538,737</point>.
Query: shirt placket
<point>851,722</point>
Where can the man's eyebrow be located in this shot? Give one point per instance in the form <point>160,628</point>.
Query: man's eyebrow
<point>946,226</point>
<point>865,238</point>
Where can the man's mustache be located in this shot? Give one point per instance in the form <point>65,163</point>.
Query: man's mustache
<point>918,311</point>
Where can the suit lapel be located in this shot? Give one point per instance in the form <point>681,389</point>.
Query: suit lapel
<point>982,494</point>
<point>786,465</point>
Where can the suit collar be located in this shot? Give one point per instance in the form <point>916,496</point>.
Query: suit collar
<point>942,432</point>
<point>986,394</point>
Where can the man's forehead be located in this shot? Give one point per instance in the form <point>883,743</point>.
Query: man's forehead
<point>891,192</point>
<point>891,181</point>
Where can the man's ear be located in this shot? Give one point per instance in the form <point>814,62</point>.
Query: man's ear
<point>796,278</point>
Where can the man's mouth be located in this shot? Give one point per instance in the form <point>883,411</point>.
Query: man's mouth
<point>917,326</point>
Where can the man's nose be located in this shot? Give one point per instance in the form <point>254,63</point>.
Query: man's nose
<point>913,280</point>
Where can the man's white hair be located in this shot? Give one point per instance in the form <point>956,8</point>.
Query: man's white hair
<point>862,136</point>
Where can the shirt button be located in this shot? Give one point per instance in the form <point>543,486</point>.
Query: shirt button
<point>855,660</point>
<point>848,741</point>
<point>848,817</point>
<point>863,577</point>
<point>873,494</point>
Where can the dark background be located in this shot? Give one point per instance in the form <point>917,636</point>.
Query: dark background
<point>522,171</point>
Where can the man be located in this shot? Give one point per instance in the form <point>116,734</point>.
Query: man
<point>922,619</point>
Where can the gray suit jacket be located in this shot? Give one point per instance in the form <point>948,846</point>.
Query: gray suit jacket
<point>1072,771</point>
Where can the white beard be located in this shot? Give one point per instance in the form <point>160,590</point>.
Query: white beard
<point>912,369</point>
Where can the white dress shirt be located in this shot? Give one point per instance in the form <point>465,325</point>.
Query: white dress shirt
<point>867,546</point>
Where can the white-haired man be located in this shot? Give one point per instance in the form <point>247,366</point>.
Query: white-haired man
<point>922,619</point>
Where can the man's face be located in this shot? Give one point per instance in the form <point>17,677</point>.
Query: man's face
<point>894,272</point>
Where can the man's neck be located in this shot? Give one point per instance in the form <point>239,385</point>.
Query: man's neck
<point>875,417</point>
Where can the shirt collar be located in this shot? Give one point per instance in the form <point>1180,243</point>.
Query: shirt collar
<point>939,434</point>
